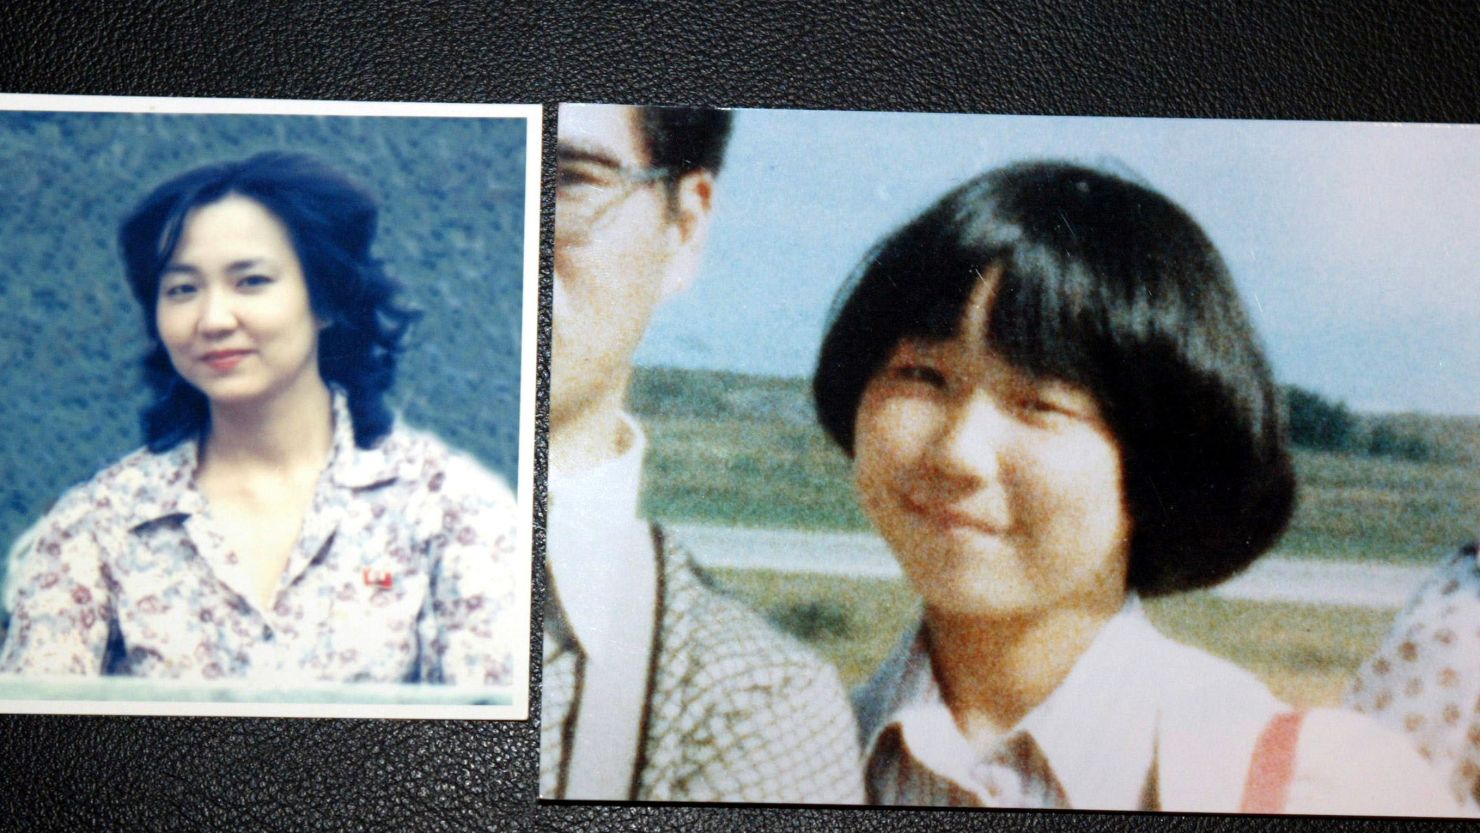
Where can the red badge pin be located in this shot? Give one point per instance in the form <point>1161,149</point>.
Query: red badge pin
<point>379,578</point>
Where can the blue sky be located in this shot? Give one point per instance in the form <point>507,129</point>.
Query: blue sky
<point>1356,246</point>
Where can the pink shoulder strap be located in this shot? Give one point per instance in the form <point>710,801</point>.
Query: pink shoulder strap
<point>1272,767</point>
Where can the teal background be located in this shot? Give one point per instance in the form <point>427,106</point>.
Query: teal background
<point>71,336</point>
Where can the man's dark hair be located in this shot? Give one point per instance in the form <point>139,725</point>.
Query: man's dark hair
<point>1111,286</point>
<point>332,224</point>
<point>685,139</point>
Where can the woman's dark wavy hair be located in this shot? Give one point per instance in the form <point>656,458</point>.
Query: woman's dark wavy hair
<point>1111,286</point>
<point>332,223</point>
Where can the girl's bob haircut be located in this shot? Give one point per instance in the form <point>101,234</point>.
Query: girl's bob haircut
<point>332,224</point>
<point>1108,285</point>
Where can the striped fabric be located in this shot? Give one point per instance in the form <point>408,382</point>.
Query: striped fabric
<point>1016,774</point>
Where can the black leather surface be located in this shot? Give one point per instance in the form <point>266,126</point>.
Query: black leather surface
<point>1415,61</point>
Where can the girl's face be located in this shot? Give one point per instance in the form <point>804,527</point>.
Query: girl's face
<point>233,308</point>
<point>1000,493</point>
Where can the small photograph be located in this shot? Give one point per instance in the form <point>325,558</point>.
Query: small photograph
<point>1013,462</point>
<point>268,426</point>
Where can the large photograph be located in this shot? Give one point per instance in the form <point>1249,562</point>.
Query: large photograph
<point>268,431</point>
<point>981,461</point>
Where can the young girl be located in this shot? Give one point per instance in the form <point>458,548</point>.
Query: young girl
<point>1056,405</point>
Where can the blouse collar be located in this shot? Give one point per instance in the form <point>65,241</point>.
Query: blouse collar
<point>1104,710</point>
<point>164,484</point>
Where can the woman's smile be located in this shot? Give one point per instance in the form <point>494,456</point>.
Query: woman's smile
<point>223,361</point>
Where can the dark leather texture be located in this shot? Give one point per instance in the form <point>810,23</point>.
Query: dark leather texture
<point>1413,61</point>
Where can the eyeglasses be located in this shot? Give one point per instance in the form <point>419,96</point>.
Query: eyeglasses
<point>587,189</point>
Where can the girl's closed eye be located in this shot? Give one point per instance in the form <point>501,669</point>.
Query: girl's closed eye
<point>1034,405</point>
<point>254,282</point>
<point>1054,400</point>
<point>918,372</point>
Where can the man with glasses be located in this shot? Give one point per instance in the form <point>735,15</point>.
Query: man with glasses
<point>655,687</point>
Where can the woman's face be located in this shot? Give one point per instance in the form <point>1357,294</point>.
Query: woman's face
<point>233,308</point>
<point>1000,493</point>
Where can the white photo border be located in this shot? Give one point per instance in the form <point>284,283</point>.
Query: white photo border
<point>517,695</point>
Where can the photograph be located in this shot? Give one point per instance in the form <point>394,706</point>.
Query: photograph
<point>269,427</point>
<point>1028,462</point>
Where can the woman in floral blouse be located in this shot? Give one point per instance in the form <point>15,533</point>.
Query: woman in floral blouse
<point>280,525</point>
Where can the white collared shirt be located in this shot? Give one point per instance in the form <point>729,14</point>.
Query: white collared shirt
<point>1140,723</point>
<point>1057,755</point>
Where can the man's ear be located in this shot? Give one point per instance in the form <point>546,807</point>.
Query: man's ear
<point>688,229</point>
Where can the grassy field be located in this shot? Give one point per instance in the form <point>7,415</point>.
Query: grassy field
<point>739,450</point>
<point>1305,653</point>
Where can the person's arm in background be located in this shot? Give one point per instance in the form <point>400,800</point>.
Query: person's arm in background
<point>1424,680</point>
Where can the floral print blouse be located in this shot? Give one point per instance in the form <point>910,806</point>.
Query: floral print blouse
<point>405,570</point>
